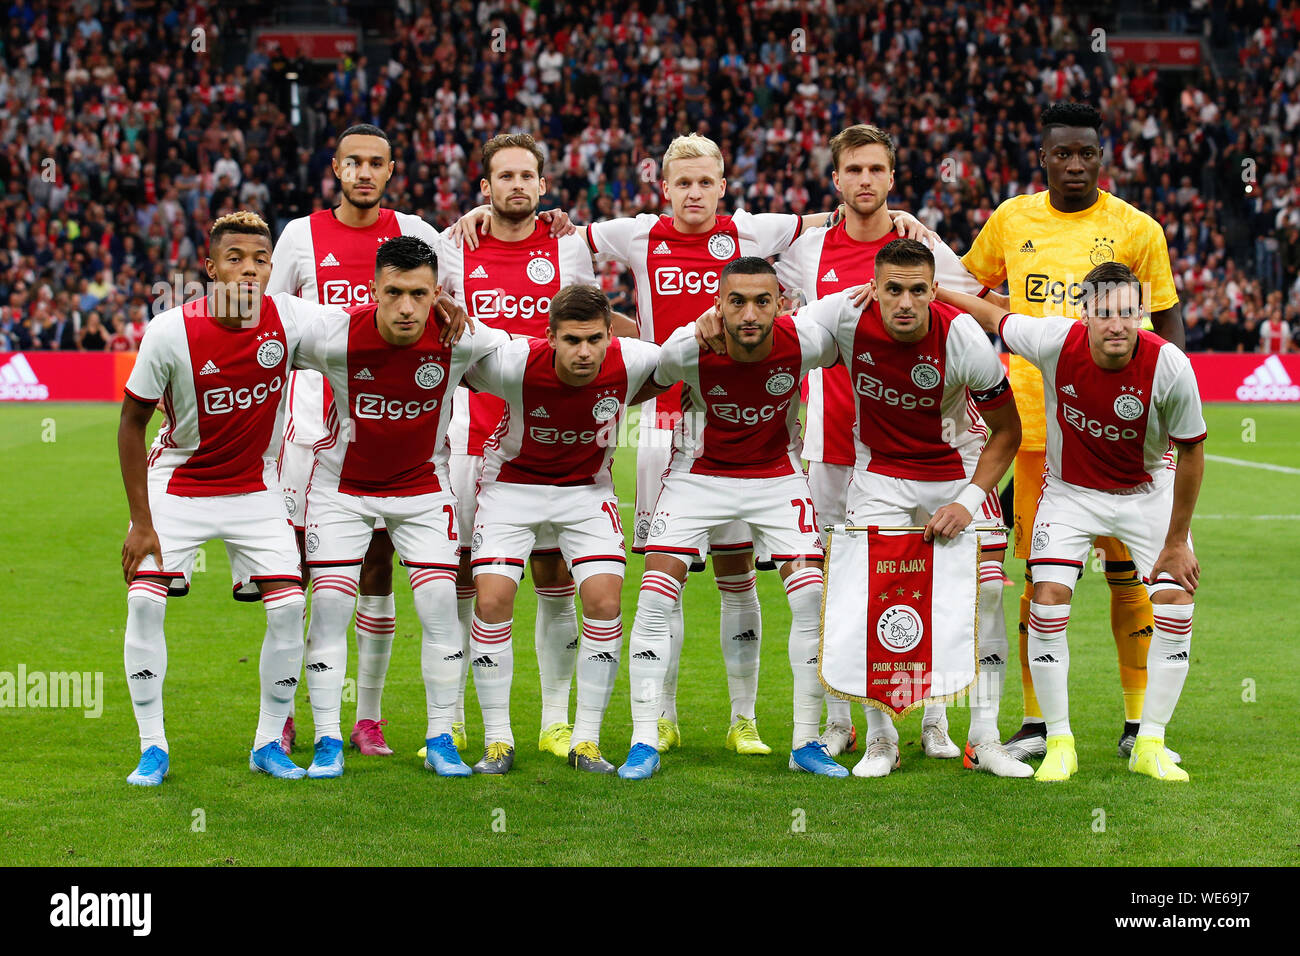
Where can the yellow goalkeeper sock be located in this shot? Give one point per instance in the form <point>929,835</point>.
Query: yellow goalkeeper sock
<point>1131,622</point>
<point>1032,711</point>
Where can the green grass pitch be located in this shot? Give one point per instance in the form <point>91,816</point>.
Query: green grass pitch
<point>64,799</point>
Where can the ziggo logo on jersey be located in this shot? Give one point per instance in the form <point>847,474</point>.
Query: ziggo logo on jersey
<point>343,292</point>
<point>493,303</point>
<point>731,412</point>
<point>222,401</point>
<point>605,436</point>
<point>1095,428</point>
<point>671,280</point>
<point>870,387</point>
<point>394,409</point>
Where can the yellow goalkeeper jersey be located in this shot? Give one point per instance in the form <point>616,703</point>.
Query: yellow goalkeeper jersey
<point>1044,253</point>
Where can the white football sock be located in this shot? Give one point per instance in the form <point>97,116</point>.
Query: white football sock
<point>493,659</point>
<point>803,589</point>
<point>677,637</point>
<point>465,617</point>
<point>935,713</point>
<point>376,624</point>
<point>880,724</point>
<point>838,711</point>
<point>1167,665</point>
<point>1049,663</point>
<point>145,656</point>
<point>435,602</point>
<point>598,660</point>
<point>986,695</point>
<point>740,631</point>
<point>555,635</point>
<point>649,647</point>
<point>333,596</point>
<point>281,660</point>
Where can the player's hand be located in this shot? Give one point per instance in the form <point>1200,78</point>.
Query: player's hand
<point>454,320</point>
<point>836,217</point>
<point>561,224</point>
<point>1178,561</point>
<point>141,542</point>
<point>864,295</point>
<point>467,227</point>
<point>948,522</point>
<point>708,332</point>
<point>909,227</point>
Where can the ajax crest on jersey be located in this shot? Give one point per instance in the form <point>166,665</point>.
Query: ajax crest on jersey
<point>925,375</point>
<point>780,383</point>
<point>429,375</point>
<point>899,629</point>
<point>722,246</point>
<point>1129,407</point>
<point>540,270</point>
<point>605,409</point>
<point>270,354</point>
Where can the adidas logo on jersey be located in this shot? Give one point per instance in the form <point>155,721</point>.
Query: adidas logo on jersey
<point>145,674</point>
<point>483,661</point>
<point>454,657</point>
<point>209,368</point>
<point>748,635</point>
<point>662,250</point>
<point>478,273</point>
<point>830,276</point>
<point>1028,246</point>
<point>1268,383</point>
<point>1069,390</point>
<point>328,261</point>
<point>319,666</point>
<point>364,376</point>
<point>866,357</point>
<point>540,412</point>
<point>717,390</point>
<point>604,657</point>
<point>645,656</point>
<point>1045,659</point>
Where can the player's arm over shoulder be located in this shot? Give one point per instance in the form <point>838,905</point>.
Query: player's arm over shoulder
<point>495,370</point>
<point>816,342</point>
<point>307,327</point>
<point>611,239</point>
<point>1034,338</point>
<point>641,359</point>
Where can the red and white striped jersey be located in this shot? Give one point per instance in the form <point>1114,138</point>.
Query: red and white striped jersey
<point>387,426</point>
<point>553,433</point>
<point>825,261</point>
<point>322,260</point>
<point>1274,335</point>
<point>916,402</point>
<point>509,286</point>
<point>220,390</point>
<point>1100,430</point>
<point>741,419</point>
<point>677,273</point>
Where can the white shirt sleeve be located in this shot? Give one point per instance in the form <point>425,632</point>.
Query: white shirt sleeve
<point>815,342</point>
<point>286,256</point>
<point>972,358</point>
<point>155,364</point>
<point>1036,339</point>
<point>830,311</point>
<point>611,240</point>
<point>489,373</point>
<point>773,232</point>
<point>451,270</point>
<point>575,261</point>
<point>311,324</point>
<point>1178,397</point>
<point>789,269</point>
<point>951,274</point>
<point>483,341</point>
<point>671,366</point>
<point>415,226</point>
<point>640,359</point>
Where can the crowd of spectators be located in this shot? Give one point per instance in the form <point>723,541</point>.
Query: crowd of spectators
<point>130,125</point>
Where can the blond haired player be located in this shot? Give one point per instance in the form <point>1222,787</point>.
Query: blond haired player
<point>1044,245</point>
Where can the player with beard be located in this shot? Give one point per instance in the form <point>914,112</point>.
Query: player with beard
<point>329,257</point>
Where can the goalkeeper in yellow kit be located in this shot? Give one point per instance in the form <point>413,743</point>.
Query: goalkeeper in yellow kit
<point>1043,245</point>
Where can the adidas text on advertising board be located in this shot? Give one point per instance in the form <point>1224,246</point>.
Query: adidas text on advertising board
<point>1269,383</point>
<point>77,909</point>
<point>19,383</point>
